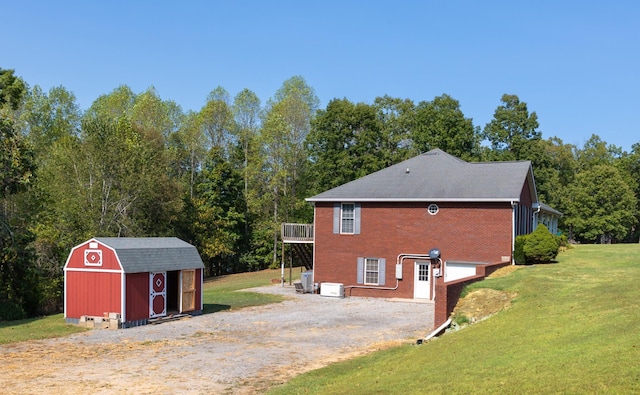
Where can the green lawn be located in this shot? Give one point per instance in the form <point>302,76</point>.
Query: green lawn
<point>219,293</point>
<point>36,328</point>
<point>573,328</point>
<point>222,293</point>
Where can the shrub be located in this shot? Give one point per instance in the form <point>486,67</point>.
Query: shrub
<point>562,241</point>
<point>518,253</point>
<point>10,311</point>
<point>541,246</point>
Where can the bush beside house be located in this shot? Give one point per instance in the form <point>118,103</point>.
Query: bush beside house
<point>538,247</point>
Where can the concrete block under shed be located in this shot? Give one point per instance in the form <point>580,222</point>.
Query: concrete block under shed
<point>114,323</point>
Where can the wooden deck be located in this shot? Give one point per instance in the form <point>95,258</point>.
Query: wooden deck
<point>296,233</point>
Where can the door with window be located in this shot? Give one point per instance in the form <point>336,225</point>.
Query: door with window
<point>421,284</point>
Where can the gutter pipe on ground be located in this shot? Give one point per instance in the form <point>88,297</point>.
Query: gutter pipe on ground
<point>435,332</point>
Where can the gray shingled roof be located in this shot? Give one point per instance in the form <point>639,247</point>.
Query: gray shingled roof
<point>437,176</point>
<point>550,210</point>
<point>153,254</point>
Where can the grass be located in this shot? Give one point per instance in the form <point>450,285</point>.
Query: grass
<point>36,328</point>
<point>573,328</point>
<point>219,293</point>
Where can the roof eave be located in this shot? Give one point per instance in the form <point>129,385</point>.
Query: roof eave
<point>413,200</point>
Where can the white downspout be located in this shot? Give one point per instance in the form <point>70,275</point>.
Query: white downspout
<point>514,204</point>
<point>435,332</point>
<point>535,218</point>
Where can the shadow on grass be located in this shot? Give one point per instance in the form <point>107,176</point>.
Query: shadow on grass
<point>7,324</point>
<point>210,308</point>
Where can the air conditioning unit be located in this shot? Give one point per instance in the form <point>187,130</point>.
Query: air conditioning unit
<point>334,290</point>
<point>306,278</point>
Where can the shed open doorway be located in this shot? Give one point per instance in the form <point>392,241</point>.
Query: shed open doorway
<point>181,291</point>
<point>173,292</point>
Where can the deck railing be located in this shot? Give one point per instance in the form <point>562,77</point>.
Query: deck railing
<point>297,233</point>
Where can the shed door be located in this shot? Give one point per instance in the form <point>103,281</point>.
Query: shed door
<point>188,290</point>
<point>421,288</point>
<point>158,294</point>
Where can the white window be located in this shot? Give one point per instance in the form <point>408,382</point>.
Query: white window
<point>347,218</point>
<point>371,271</point>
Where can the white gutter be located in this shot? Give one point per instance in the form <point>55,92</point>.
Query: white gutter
<point>400,200</point>
<point>534,225</point>
<point>513,230</point>
<point>435,332</point>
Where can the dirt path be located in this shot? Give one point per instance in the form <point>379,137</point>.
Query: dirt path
<point>244,351</point>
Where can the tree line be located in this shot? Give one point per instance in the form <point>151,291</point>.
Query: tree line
<point>225,177</point>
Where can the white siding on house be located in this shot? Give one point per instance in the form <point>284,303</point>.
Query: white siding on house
<point>457,270</point>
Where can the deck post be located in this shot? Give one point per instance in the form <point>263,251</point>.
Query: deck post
<point>282,267</point>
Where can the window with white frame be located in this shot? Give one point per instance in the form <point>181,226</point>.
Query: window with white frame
<point>347,218</point>
<point>371,271</point>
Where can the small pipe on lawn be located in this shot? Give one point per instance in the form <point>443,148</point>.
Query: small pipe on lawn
<point>435,332</point>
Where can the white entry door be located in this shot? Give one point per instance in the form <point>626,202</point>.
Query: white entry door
<point>421,288</point>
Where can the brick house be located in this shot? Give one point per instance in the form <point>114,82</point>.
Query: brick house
<point>423,228</point>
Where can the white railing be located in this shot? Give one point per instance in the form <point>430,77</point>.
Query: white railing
<point>301,233</point>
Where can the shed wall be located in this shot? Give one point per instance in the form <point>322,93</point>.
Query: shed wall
<point>77,258</point>
<point>92,293</point>
<point>137,304</point>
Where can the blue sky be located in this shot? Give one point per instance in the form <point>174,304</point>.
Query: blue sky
<point>576,64</point>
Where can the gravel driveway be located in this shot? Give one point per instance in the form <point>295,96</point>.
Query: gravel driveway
<point>243,351</point>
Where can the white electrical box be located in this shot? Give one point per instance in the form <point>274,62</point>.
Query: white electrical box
<point>398,271</point>
<point>334,290</point>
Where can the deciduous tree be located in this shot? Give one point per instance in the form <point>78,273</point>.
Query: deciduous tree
<point>600,206</point>
<point>19,279</point>
<point>343,144</point>
<point>216,120</point>
<point>512,130</point>
<point>219,207</point>
<point>440,123</point>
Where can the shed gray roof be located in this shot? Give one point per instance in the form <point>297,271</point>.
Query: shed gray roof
<point>153,254</point>
<point>438,176</point>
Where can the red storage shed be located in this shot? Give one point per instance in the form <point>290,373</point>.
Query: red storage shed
<point>132,279</point>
